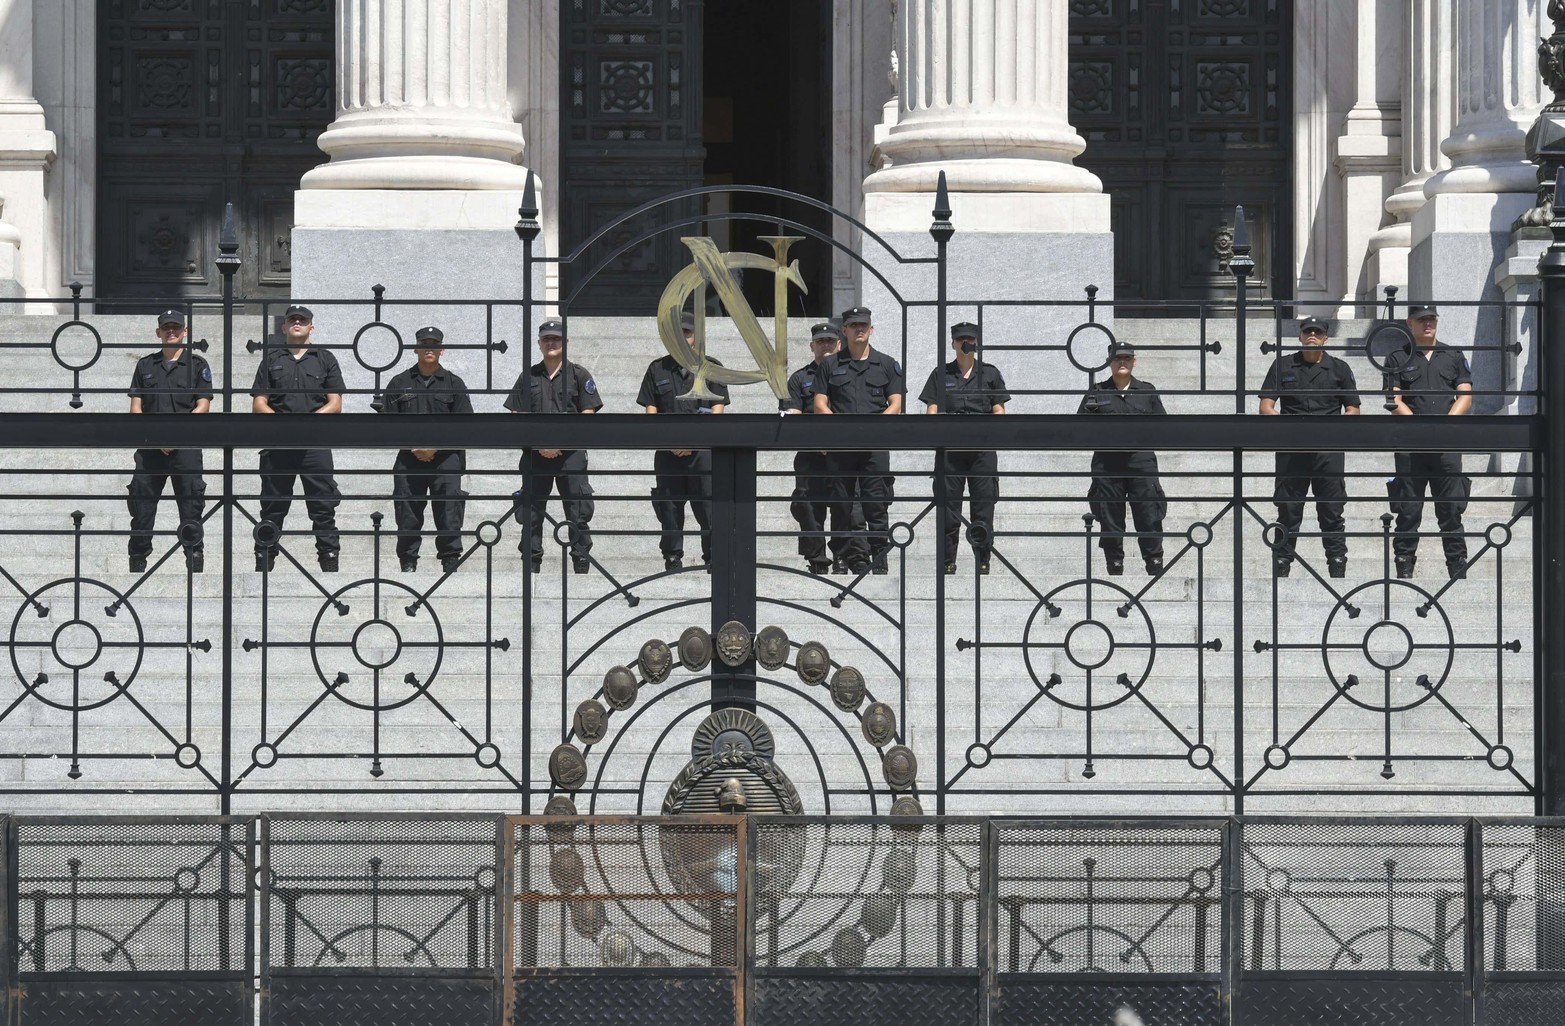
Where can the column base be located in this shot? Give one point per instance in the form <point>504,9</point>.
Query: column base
<point>27,150</point>
<point>1025,263</point>
<point>422,246</point>
<point>1459,241</point>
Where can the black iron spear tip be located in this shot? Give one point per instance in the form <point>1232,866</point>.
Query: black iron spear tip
<point>1241,263</point>
<point>527,226</point>
<point>228,241</point>
<point>941,228</point>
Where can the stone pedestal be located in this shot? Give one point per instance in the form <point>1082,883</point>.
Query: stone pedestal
<point>422,190</point>
<point>982,97</point>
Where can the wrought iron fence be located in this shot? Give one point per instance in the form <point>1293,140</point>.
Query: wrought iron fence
<point>776,919</point>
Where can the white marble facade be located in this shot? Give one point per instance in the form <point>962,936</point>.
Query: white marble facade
<point>1397,103</point>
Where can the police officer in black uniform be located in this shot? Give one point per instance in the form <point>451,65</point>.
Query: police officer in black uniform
<point>297,378</point>
<point>432,474</point>
<point>1117,476</point>
<point>972,388</point>
<point>860,380</point>
<point>1428,379</point>
<point>683,475</point>
<point>811,483</point>
<point>171,380</point>
<point>1312,383</point>
<point>555,385</point>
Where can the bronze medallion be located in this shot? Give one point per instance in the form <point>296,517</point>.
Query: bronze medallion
<point>587,917</point>
<point>559,805</point>
<point>849,948</point>
<point>771,647</point>
<point>567,767</point>
<point>900,867</point>
<point>618,950</point>
<point>619,687</point>
<point>879,724</point>
<point>655,661</point>
<point>813,662</point>
<point>566,870</point>
<point>732,730</point>
<point>879,915</point>
<point>847,688</point>
<point>733,643</point>
<point>695,648</point>
<point>906,805</point>
<point>900,766</point>
<point>591,722</point>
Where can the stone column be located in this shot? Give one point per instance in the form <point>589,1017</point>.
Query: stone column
<point>1428,115</point>
<point>983,95</point>
<point>423,185</point>
<point>27,148</point>
<point>1369,149</point>
<point>1462,233</point>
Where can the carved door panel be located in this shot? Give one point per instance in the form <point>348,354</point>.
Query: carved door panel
<point>631,132</point>
<point>1185,106</point>
<point>203,102</point>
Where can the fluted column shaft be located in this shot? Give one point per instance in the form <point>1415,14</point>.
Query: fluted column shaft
<point>1428,104</point>
<point>983,96</point>
<point>422,98</point>
<point>1497,97</point>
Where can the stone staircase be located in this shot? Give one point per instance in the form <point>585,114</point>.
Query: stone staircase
<point>998,694</point>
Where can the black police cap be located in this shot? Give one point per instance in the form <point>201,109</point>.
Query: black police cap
<point>430,334</point>
<point>964,329</point>
<point>552,326</point>
<point>1418,310</point>
<point>299,311</point>
<point>171,317</point>
<point>1118,348</point>
<point>856,315</point>
<point>825,330</point>
<point>1315,324</point>
<point>687,321</point>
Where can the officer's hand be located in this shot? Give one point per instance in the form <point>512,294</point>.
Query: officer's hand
<point>424,455</point>
<point>165,451</point>
<point>680,452</point>
<point>549,454</point>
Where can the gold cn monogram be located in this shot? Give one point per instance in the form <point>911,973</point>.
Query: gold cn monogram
<point>713,268</point>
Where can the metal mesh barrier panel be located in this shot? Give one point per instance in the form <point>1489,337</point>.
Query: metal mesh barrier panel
<point>133,921</point>
<point>1524,923</point>
<point>1090,898</point>
<point>1354,897</point>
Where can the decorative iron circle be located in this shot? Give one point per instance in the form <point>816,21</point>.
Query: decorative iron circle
<point>907,805</point>
<point>76,644</point>
<point>393,354</point>
<point>487,755</point>
<point>420,656</point>
<point>978,755</point>
<point>1424,663</point>
<point>732,730</point>
<point>1132,654</point>
<point>655,661</point>
<point>84,645</point>
<point>264,755</point>
<point>1082,332</point>
<point>900,766</point>
<point>90,352</point>
<point>1501,757</point>
<point>771,647</point>
<point>186,880</point>
<point>733,643</point>
<point>849,948</point>
<point>567,871</point>
<point>695,648</point>
<point>619,687</point>
<point>847,688</point>
<point>187,756</point>
<point>591,722</point>
<point>813,662</point>
<point>567,767</point>
<point>899,870</point>
<point>879,724</point>
<point>879,915</point>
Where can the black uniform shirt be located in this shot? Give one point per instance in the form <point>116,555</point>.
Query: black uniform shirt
<point>860,386</point>
<point>1328,386</point>
<point>171,387</point>
<point>979,392</point>
<point>1436,376</point>
<point>667,379</point>
<point>571,390</point>
<point>801,389</point>
<point>1138,397</point>
<point>412,392</point>
<point>297,386</point>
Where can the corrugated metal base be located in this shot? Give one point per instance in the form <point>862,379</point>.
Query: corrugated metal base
<point>898,1001</point>
<point>1352,1002</point>
<point>624,1001</point>
<point>1029,1002</point>
<point>378,1000</point>
<point>1523,1002</point>
<point>124,1002</point>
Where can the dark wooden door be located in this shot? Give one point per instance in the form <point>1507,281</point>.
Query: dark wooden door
<point>1185,106</point>
<point>631,132</point>
<point>200,103</point>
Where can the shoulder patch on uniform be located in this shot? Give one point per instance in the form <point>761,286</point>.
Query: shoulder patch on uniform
<point>591,387</point>
<point>897,365</point>
<point>206,373</point>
